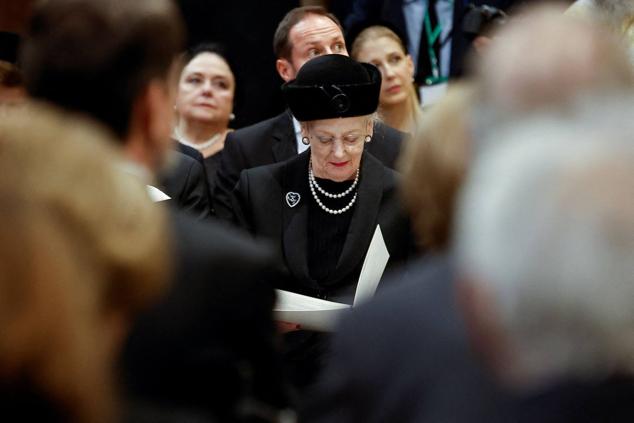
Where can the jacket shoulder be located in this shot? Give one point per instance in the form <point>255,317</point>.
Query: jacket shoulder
<point>388,133</point>
<point>254,134</point>
<point>291,167</point>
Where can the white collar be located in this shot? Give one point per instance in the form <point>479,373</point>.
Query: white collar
<point>301,147</point>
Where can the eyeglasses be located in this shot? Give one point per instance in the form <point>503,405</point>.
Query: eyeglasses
<point>348,141</point>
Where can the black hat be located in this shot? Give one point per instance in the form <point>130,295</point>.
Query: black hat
<point>333,86</point>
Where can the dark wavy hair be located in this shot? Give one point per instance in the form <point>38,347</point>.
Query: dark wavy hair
<point>96,57</point>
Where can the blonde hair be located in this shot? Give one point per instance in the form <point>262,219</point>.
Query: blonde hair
<point>373,33</point>
<point>80,241</point>
<point>434,164</point>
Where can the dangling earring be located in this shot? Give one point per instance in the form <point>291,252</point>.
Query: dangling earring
<point>305,141</point>
<point>368,138</point>
<point>232,116</point>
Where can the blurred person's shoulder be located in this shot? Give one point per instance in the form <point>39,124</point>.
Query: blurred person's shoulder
<point>212,239</point>
<point>421,289</point>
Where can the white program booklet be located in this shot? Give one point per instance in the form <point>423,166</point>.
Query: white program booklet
<point>317,314</point>
<point>156,195</point>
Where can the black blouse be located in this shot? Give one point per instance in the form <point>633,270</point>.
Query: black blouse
<point>327,232</point>
<point>212,163</point>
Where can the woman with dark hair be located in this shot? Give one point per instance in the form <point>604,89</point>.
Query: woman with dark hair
<point>204,104</point>
<point>321,208</point>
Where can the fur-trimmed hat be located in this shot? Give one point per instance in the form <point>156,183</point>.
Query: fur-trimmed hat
<point>333,86</point>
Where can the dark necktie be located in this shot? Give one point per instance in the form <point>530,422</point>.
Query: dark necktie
<point>424,61</point>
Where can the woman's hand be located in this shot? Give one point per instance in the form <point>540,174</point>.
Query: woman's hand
<point>285,327</point>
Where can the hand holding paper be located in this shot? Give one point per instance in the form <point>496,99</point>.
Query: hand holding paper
<point>317,314</point>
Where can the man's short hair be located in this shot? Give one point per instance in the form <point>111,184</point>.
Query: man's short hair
<point>98,56</point>
<point>282,46</point>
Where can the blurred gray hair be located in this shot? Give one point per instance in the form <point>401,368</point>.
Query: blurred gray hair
<point>615,11</point>
<point>544,61</point>
<point>546,226</point>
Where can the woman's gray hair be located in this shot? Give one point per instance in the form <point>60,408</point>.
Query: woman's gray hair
<point>546,226</point>
<point>615,11</point>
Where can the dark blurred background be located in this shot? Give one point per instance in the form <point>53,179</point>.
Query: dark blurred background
<point>245,28</point>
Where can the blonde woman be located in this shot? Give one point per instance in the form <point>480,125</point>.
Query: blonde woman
<point>398,103</point>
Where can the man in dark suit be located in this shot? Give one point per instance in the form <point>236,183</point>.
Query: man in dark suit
<point>185,182</point>
<point>207,347</point>
<point>407,17</point>
<point>305,32</point>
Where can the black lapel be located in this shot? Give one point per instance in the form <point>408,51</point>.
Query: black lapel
<point>363,222</point>
<point>294,219</point>
<point>284,142</point>
<point>392,12</point>
<point>459,42</point>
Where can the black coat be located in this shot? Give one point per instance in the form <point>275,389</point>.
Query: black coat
<point>260,198</point>
<point>209,165</point>
<point>273,141</point>
<point>260,202</point>
<point>406,357</point>
<point>210,342</point>
<point>186,183</point>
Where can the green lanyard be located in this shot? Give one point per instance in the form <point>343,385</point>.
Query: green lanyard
<point>432,37</point>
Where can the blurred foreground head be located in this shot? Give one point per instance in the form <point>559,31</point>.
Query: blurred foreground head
<point>434,165</point>
<point>616,15</point>
<point>543,61</point>
<point>109,59</point>
<point>81,250</point>
<point>546,243</point>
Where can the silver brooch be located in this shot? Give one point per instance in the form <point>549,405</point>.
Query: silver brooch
<point>292,199</point>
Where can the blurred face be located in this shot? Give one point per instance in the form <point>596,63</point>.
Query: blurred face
<point>205,90</point>
<point>313,36</point>
<point>336,145</point>
<point>397,69</point>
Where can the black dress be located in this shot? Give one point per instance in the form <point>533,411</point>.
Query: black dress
<point>327,232</point>
<point>211,168</point>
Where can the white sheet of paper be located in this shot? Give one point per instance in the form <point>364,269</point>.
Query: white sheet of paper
<point>317,314</point>
<point>373,266</point>
<point>309,312</point>
<point>156,194</point>
<point>431,94</point>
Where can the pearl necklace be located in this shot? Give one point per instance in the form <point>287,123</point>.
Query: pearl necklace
<point>327,194</point>
<point>312,183</point>
<point>198,146</point>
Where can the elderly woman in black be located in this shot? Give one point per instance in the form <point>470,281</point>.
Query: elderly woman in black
<point>321,208</point>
